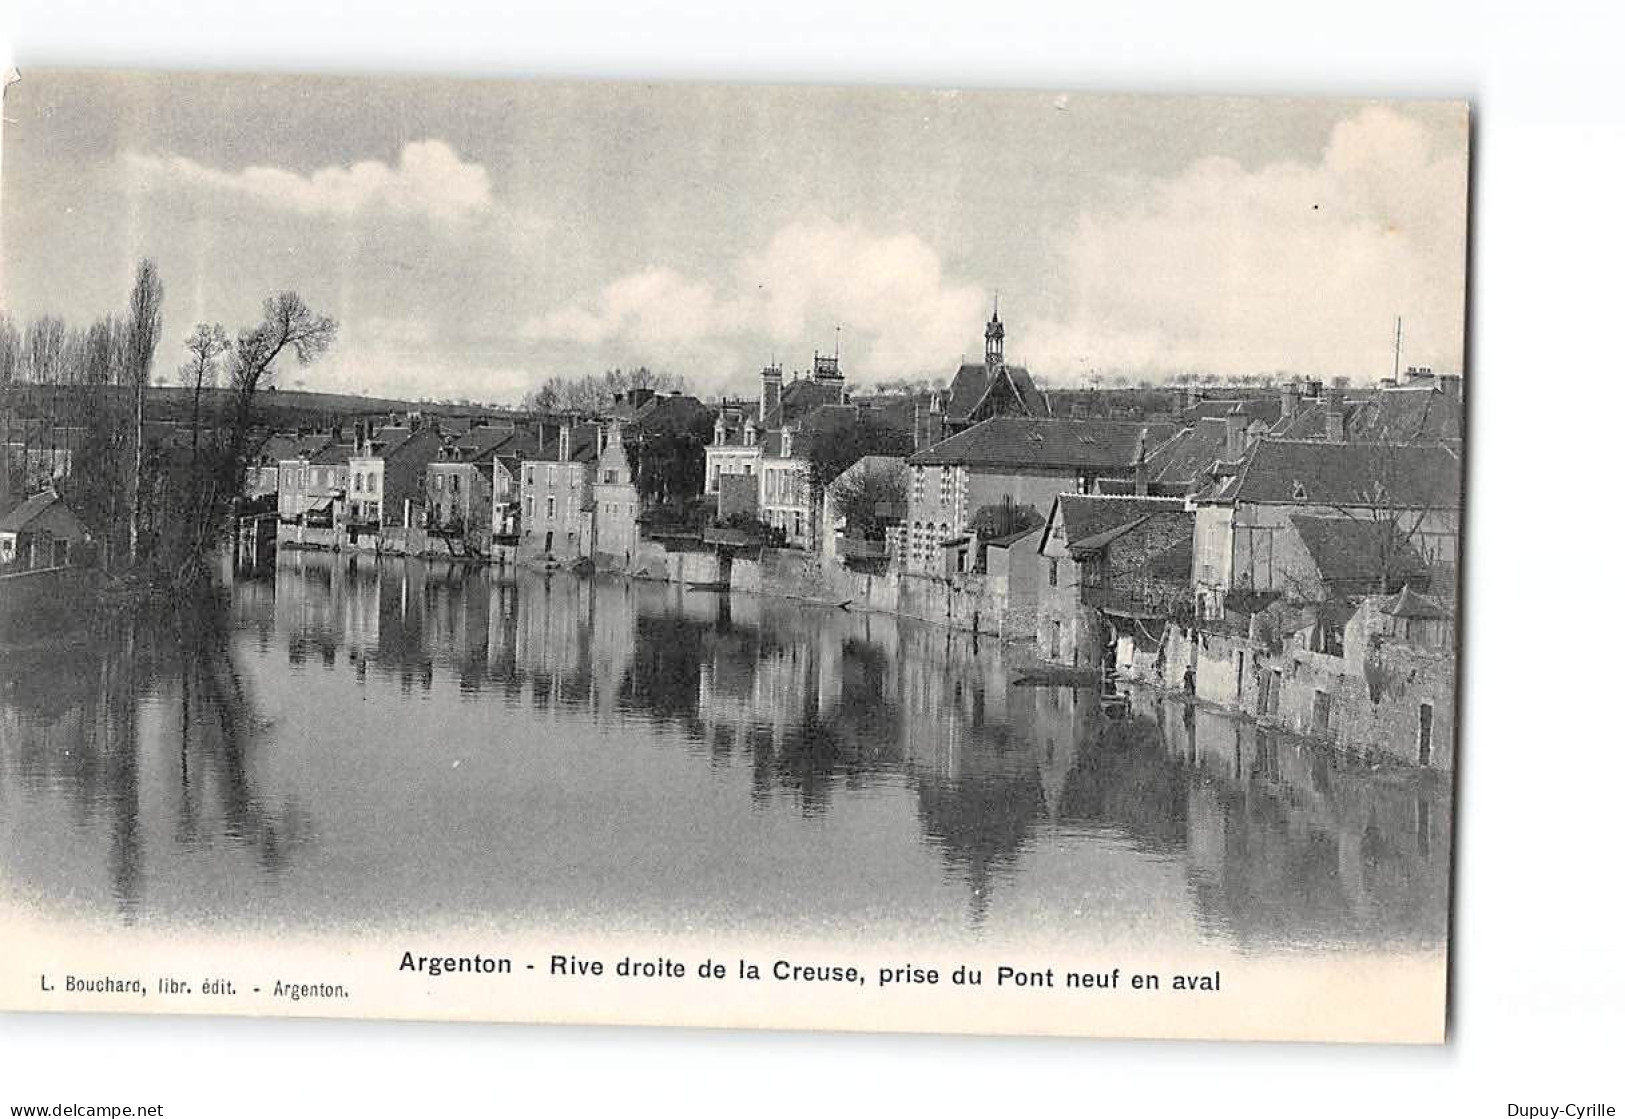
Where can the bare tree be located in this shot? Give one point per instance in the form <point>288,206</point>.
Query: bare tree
<point>11,350</point>
<point>143,328</point>
<point>287,327</point>
<point>207,345</point>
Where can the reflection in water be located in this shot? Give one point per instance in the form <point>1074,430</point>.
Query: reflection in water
<point>351,740</point>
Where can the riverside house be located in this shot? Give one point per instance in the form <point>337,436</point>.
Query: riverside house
<point>1016,461</point>
<point>1246,540</point>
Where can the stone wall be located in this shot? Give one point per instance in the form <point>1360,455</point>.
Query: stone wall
<point>1377,704</point>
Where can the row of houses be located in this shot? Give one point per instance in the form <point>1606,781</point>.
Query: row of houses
<point>499,491</point>
<point>1290,554</point>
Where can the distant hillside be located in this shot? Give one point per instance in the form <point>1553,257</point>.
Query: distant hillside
<point>276,408</point>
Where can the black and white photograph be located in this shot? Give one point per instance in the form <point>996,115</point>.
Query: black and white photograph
<point>844,557</point>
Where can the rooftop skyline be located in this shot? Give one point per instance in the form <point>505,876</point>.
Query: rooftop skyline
<point>475,237</point>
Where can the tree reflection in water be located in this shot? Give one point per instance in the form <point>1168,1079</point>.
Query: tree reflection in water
<point>827,750</point>
<point>143,724</point>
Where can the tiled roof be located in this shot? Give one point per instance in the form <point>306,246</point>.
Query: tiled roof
<point>1407,416</point>
<point>1006,541</point>
<point>20,517</point>
<point>479,444</point>
<point>1346,550</point>
<point>799,397</point>
<point>1186,458</point>
<point>1281,471</point>
<point>1020,441</point>
<point>1086,516</point>
<point>1265,408</point>
<point>972,383</point>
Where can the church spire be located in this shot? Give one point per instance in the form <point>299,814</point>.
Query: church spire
<point>995,338</point>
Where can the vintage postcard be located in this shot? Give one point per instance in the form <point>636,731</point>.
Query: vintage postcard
<point>798,557</point>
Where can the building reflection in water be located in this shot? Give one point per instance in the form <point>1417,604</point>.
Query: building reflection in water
<point>152,743</point>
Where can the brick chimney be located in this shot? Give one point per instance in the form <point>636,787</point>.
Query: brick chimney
<point>1235,434</point>
<point>772,389</point>
<point>1290,393</point>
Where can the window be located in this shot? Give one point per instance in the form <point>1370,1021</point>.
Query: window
<point>372,483</point>
<point>1054,571</point>
<point>439,482</point>
<point>552,506</point>
<point>530,475</point>
<point>1320,718</point>
<point>530,507</point>
<point>944,475</point>
<point>357,486</point>
<point>919,483</point>
<point>552,475</point>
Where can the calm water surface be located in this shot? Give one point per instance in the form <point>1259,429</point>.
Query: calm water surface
<point>347,743</point>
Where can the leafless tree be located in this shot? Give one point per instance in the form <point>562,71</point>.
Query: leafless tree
<point>143,328</point>
<point>197,517</point>
<point>207,345</point>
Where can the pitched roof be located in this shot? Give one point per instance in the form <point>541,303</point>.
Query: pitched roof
<point>801,396</point>
<point>971,384</point>
<point>1408,604</point>
<point>334,452</point>
<point>1346,550</point>
<point>1284,471</point>
<point>1042,444</point>
<point>46,502</point>
<point>1087,516</point>
<point>1265,408</point>
<point>479,444</point>
<point>1407,415</point>
<point>1012,538</point>
<point>1185,458</point>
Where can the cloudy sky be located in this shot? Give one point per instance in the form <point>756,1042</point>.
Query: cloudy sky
<point>475,237</point>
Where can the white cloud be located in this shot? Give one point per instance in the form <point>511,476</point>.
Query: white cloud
<point>1294,267</point>
<point>886,293</point>
<point>1290,267</point>
<point>429,179</point>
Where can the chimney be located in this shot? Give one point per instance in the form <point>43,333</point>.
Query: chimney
<point>359,440</point>
<point>784,442</point>
<point>1235,435</point>
<point>1141,485</point>
<point>564,441</point>
<point>719,432</point>
<point>1290,393</point>
<point>1334,424</point>
<point>772,387</point>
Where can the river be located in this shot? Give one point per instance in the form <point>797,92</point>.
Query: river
<point>350,743</point>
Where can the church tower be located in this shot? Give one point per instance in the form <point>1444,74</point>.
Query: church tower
<point>995,340</point>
